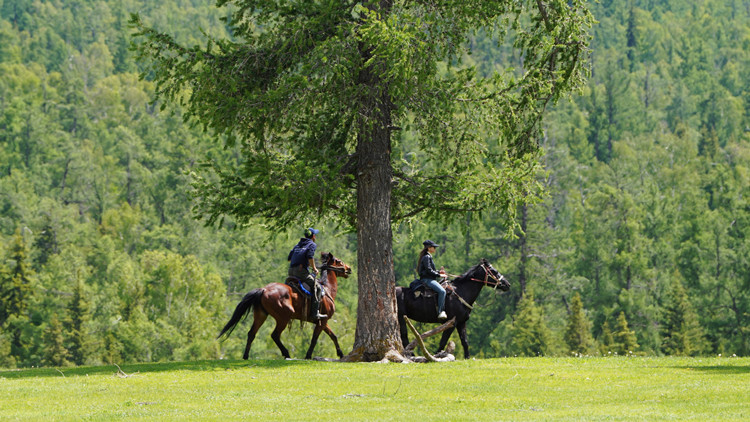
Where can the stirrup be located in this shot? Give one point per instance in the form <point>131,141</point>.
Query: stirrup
<point>320,316</point>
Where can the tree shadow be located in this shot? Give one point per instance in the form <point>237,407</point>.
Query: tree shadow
<point>126,370</point>
<point>721,369</point>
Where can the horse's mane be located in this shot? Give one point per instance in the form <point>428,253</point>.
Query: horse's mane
<point>323,279</point>
<point>470,271</point>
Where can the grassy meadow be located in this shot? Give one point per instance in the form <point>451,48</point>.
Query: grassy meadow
<point>508,389</point>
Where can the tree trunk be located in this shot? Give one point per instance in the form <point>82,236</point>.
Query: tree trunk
<point>524,250</point>
<point>377,325</point>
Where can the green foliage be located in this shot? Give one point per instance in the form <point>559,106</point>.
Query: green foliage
<point>606,340</point>
<point>6,358</point>
<point>683,334</point>
<point>15,290</point>
<point>578,331</point>
<point>625,341</point>
<point>76,324</point>
<point>299,117</point>
<point>646,177</point>
<point>530,334</point>
<point>56,354</point>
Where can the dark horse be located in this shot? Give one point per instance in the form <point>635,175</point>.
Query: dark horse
<point>284,304</point>
<point>466,287</point>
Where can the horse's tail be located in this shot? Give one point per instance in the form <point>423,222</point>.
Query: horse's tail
<point>242,310</point>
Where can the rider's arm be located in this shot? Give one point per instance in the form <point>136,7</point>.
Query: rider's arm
<point>312,265</point>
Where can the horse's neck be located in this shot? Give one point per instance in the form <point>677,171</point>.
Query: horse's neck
<point>467,288</point>
<point>332,285</point>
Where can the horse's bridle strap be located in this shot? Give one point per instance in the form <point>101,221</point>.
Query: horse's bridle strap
<point>487,274</point>
<point>333,268</point>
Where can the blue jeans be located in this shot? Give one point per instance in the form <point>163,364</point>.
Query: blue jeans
<point>434,285</point>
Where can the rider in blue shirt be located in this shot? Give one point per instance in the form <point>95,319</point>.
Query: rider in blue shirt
<point>301,259</point>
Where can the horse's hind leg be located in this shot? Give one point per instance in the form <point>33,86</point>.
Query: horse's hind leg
<point>314,340</point>
<point>461,327</point>
<point>259,317</point>
<point>276,336</point>
<point>404,331</point>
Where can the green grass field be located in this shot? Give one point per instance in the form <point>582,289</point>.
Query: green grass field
<point>511,389</point>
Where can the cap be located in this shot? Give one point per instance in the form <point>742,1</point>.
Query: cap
<point>310,232</point>
<point>429,243</point>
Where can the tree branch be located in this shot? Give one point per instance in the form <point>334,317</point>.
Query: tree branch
<point>420,341</point>
<point>431,333</point>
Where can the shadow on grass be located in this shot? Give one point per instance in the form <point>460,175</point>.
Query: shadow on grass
<point>129,369</point>
<point>721,369</point>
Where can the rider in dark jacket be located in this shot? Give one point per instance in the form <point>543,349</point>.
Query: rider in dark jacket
<point>301,258</point>
<point>429,275</point>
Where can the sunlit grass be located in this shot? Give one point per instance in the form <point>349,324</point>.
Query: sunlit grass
<point>513,389</point>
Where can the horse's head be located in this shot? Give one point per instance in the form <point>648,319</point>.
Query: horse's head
<point>493,276</point>
<point>334,264</point>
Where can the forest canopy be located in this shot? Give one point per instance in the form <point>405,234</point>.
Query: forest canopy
<point>641,239</point>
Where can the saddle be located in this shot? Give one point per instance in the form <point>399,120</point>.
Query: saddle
<point>299,286</point>
<point>305,290</point>
<point>419,289</point>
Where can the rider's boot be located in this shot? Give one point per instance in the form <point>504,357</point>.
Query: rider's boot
<point>316,310</point>
<point>442,316</point>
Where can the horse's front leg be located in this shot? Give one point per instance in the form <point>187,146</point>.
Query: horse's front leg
<point>335,340</point>
<point>314,340</point>
<point>461,327</point>
<point>444,339</point>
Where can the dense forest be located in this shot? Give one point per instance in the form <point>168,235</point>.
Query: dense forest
<point>640,244</point>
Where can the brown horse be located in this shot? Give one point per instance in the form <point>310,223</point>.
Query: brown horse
<point>285,304</point>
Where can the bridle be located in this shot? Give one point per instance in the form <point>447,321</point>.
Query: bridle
<point>337,269</point>
<point>494,283</point>
<point>487,275</point>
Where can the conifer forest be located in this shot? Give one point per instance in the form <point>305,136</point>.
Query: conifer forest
<point>637,239</point>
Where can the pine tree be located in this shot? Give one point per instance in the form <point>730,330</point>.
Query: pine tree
<point>112,349</point>
<point>606,339</point>
<point>625,339</point>
<point>15,294</point>
<point>6,359</point>
<point>15,290</point>
<point>5,286</point>
<point>682,332</point>
<point>531,336</point>
<point>55,352</point>
<point>78,310</point>
<point>46,243</point>
<point>578,332</point>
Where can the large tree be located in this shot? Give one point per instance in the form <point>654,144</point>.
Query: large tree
<point>368,113</point>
